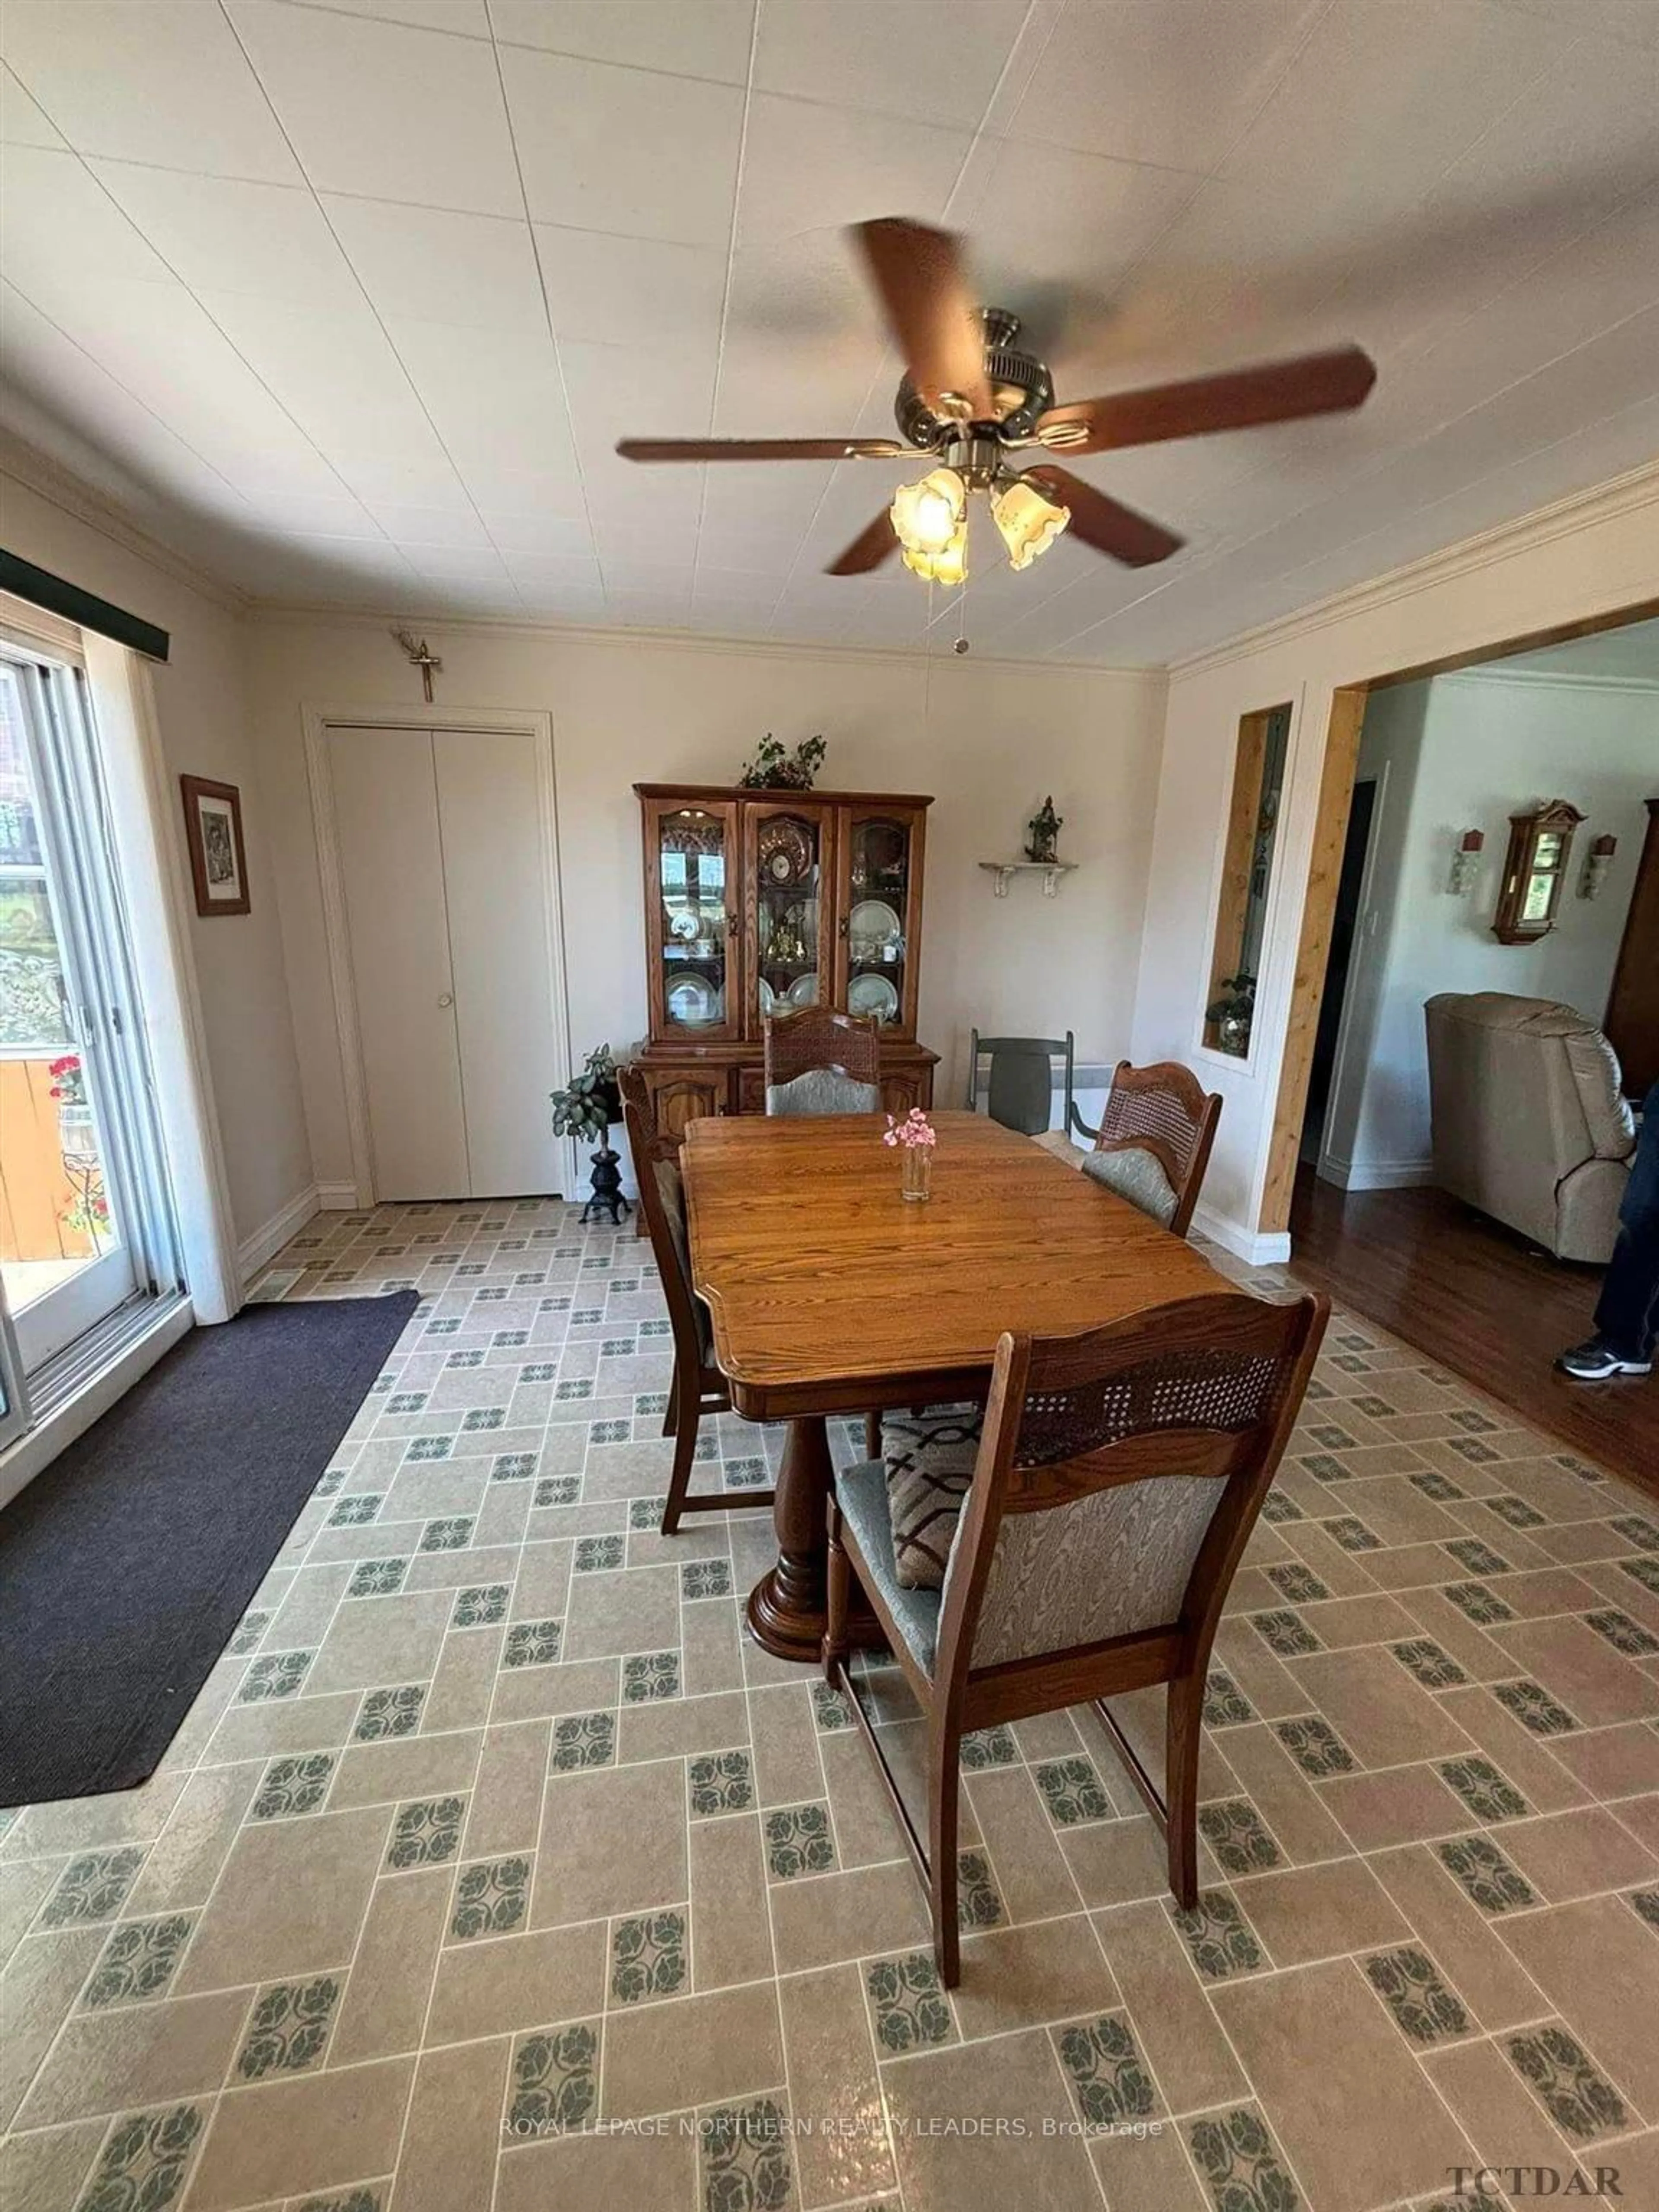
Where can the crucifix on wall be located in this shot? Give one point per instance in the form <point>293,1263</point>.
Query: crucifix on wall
<point>423,658</point>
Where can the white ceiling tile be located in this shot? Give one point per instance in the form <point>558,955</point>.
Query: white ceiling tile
<point>937,60</point>
<point>551,575</point>
<point>1168,81</point>
<point>527,536</point>
<point>385,111</point>
<point>164,82</point>
<point>219,233</point>
<point>623,150</point>
<point>818,169</point>
<point>426,478</point>
<point>430,525</point>
<point>632,291</point>
<point>710,39</point>
<point>59,226</point>
<point>492,404</point>
<point>431,263</point>
<point>336,373</point>
<point>469,19</point>
<point>22,121</point>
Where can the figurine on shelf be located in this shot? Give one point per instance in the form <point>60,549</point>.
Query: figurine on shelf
<point>774,768</point>
<point>1045,827</point>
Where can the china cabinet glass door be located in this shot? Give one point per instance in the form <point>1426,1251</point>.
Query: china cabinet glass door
<point>695,933</point>
<point>788,863</point>
<point>880,876</point>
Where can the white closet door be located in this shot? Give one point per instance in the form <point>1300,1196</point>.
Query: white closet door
<point>392,860</point>
<point>495,882</point>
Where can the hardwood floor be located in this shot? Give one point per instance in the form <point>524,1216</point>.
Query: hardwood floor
<point>1494,1308</point>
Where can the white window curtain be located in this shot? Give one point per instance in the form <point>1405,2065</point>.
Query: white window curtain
<point>147,835</point>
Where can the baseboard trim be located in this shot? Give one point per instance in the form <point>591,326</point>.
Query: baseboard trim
<point>1254,1247</point>
<point>336,1197</point>
<point>1376,1174</point>
<point>258,1250</point>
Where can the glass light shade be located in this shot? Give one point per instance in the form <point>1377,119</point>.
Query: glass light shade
<point>949,565</point>
<point>1029,520</point>
<point>928,515</point>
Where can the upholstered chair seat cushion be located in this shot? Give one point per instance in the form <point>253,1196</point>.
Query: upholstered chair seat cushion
<point>929,1461</point>
<point>1136,1174</point>
<point>823,1091</point>
<point>862,1494</point>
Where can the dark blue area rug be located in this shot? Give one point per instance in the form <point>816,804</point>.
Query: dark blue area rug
<point>125,1567</point>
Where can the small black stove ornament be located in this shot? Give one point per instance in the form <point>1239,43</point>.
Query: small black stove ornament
<point>1045,827</point>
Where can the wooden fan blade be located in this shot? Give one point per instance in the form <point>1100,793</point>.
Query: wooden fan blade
<point>1107,524</point>
<point>1237,399</point>
<point>762,449</point>
<point>868,549</point>
<point>930,311</point>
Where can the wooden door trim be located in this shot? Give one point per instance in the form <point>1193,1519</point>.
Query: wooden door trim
<point>1330,829</point>
<point>316,723</point>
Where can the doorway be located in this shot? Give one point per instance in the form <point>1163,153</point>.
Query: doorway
<point>86,1227</point>
<point>1347,920</point>
<point>441,881</point>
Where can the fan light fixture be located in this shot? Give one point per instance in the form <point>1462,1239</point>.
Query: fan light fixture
<point>929,516</point>
<point>1029,520</point>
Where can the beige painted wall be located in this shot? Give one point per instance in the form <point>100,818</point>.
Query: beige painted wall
<point>201,704</point>
<point>1593,554</point>
<point>988,739</point>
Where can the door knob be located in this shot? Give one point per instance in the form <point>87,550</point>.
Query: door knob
<point>446,998</point>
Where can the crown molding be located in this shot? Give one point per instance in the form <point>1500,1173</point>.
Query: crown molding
<point>1628,494</point>
<point>285,615</point>
<point>1554,679</point>
<point>38,472</point>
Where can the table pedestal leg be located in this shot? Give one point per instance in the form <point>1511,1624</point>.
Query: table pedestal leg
<point>786,1605</point>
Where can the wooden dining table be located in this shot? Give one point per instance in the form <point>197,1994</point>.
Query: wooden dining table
<point>830,1294</point>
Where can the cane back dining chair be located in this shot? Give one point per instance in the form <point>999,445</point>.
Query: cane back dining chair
<point>1118,1475</point>
<point>698,1387</point>
<point>1019,1083</point>
<point>819,1061</point>
<point>1153,1143</point>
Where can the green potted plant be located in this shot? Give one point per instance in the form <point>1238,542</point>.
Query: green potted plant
<point>1232,1013</point>
<point>585,1109</point>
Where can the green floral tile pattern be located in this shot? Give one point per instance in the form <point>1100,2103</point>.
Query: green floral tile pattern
<point>648,1956</point>
<point>799,1841</point>
<point>1565,2080</point>
<point>1315,1747</point>
<point>583,1740</point>
<point>1072,1791</point>
<point>555,2082</point>
<point>650,1674</point>
<point>1353,1534</point>
<point>1297,1583</point>
<point>1109,2077</point>
<point>1624,1634</point>
<point>388,1713</point>
<point>427,1834</point>
<point>1409,1984</point>
<point>274,1675</point>
<point>1218,1935</point>
<point>831,1711</point>
<point>1225,1705</point>
<point>1646,1902</point>
<point>1481,1606</point>
<point>721,1781</point>
<point>532,1644</point>
<point>143,2162</point>
<point>1433,1667</point>
<point>1240,2163</point>
<point>452,1534</point>
<point>491,1898</point>
<point>1285,1633</point>
<point>291,1786</point>
<point>1487,1875</point>
<point>1278,1505</point>
<point>1643,1570</point>
<point>1489,1795</point>
<point>706,1578</point>
<point>377,1577</point>
<point>92,1887</point>
<point>1533,1707</point>
<point>979,1903</point>
<point>1237,1834</point>
<point>558,1490</point>
<point>138,1961</point>
<point>251,1628</point>
<point>1476,1558</point>
<point>744,2155</point>
<point>986,1748</point>
<point>598,1554</point>
<point>1440,1487</point>
<point>908,2002</point>
<point>482,1606</point>
<point>290,2027</point>
<point>1516,1512</point>
<point>1636,1530</point>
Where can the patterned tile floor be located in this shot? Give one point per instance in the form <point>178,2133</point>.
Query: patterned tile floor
<point>495,1869</point>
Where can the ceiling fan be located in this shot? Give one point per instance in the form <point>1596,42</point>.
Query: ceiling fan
<point>969,399</point>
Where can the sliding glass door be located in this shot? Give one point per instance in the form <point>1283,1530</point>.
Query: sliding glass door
<point>81,1212</point>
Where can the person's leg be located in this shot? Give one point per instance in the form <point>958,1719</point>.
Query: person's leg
<point>1627,1312</point>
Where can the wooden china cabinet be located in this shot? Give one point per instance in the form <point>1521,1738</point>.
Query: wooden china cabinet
<point>756,902</point>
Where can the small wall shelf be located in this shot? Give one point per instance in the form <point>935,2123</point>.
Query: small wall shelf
<point>1005,870</point>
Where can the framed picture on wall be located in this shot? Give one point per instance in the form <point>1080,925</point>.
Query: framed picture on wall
<point>218,860</point>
